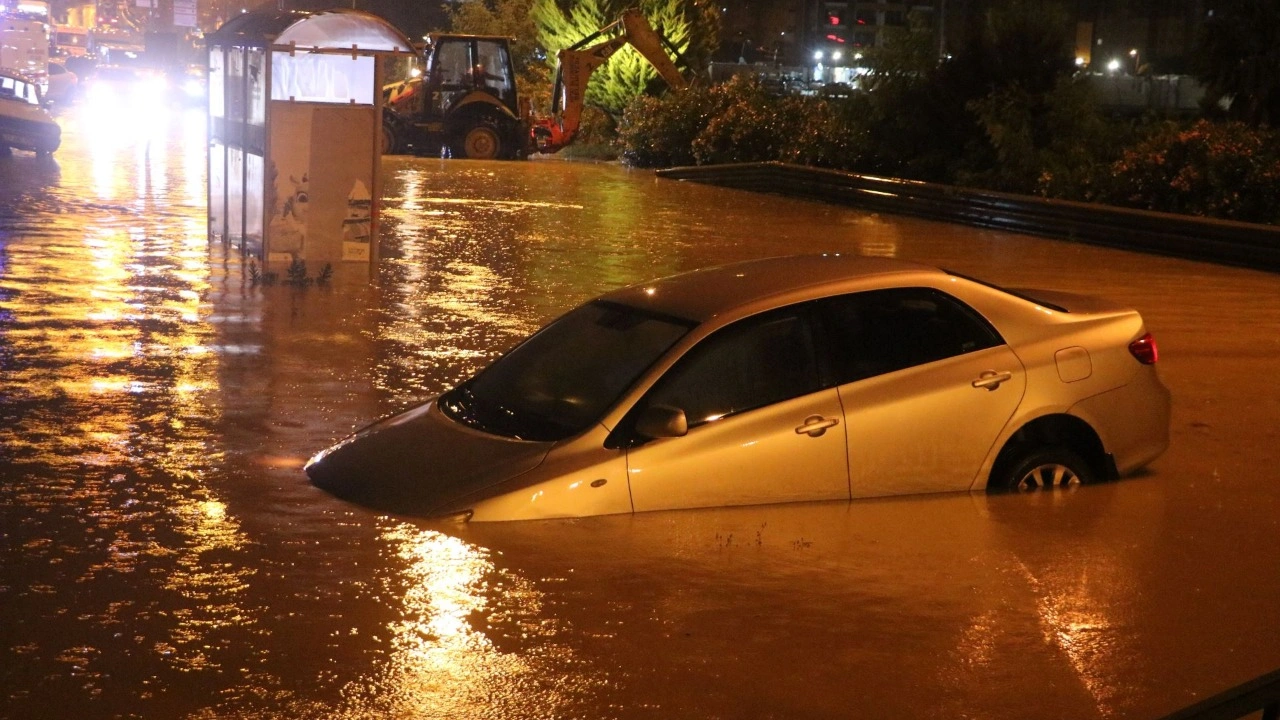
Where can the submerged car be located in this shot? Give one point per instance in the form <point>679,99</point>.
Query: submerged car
<point>24,123</point>
<point>781,380</point>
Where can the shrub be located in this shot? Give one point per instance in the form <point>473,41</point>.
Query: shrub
<point>1225,170</point>
<point>750,127</point>
<point>1054,144</point>
<point>659,132</point>
<point>741,121</point>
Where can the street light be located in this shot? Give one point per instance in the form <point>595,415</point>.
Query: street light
<point>1134,54</point>
<point>1114,65</point>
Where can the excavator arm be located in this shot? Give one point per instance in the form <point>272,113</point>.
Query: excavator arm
<point>576,63</point>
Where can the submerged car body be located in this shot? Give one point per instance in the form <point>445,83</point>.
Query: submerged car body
<point>24,123</point>
<point>780,380</point>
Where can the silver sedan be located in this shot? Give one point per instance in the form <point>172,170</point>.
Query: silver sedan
<point>781,380</point>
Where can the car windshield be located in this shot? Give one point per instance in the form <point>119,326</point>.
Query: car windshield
<point>562,379</point>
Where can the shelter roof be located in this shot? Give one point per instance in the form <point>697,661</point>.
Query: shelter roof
<point>338,29</point>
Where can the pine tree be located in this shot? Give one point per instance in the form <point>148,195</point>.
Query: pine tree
<point>690,25</point>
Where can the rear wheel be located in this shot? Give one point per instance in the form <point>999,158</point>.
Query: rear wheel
<point>390,139</point>
<point>480,142</point>
<point>1045,468</point>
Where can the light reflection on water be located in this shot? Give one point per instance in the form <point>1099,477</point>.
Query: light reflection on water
<point>164,557</point>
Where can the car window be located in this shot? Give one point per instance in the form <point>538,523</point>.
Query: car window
<point>872,333</point>
<point>563,378</point>
<point>755,362</point>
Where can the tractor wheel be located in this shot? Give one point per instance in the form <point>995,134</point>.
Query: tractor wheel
<point>390,139</point>
<point>479,142</point>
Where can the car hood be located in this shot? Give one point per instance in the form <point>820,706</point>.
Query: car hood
<point>420,462</point>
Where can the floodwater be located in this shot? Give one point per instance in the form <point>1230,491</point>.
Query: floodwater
<point>165,557</point>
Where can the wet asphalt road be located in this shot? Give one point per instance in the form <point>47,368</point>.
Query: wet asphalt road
<point>164,556</point>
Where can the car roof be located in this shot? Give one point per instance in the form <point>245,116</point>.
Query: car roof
<point>702,294</point>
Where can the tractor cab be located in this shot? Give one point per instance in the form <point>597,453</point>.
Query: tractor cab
<point>460,65</point>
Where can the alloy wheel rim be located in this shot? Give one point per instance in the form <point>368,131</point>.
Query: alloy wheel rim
<point>1048,476</point>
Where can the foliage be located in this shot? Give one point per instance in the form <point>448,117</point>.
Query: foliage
<point>751,126</point>
<point>296,275</point>
<point>1004,113</point>
<point>690,25</point>
<point>739,121</point>
<point>657,132</point>
<point>1225,170</point>
<point>1056,144</point>
<point>1238,59</point>
<point>754,126</point>
<point>924,118</point>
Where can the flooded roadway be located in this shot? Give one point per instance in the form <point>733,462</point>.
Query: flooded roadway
<point>164,556</point>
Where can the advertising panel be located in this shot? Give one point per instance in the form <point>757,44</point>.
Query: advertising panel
<point>320,178</point>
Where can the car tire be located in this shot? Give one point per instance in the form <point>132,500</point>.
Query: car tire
<point>1045,468</point>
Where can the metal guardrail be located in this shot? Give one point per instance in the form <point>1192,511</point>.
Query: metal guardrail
<point>1259,694</point>
<point>1223,241</point>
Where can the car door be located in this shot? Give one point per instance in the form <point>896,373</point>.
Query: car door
<point>762,428</point>
<point>926,384</point>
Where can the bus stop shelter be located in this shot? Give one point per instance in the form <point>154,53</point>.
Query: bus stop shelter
<point>295,122</point>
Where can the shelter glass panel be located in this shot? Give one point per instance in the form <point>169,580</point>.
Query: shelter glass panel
<point>257,66</point>
<point>216,82</point>
<point>235,195</point>
<point>314,77</point>
<point>235,87</point>
<point>253,200</point>
<point>217,190</point>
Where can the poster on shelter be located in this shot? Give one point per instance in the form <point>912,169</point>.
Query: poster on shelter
<point>343,138</point>
<point>322,157</point>
<point>288,181</point>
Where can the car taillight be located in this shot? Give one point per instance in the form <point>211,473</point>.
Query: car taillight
<point>1145,350</point>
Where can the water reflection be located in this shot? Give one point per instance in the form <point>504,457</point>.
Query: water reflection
<point>107,440</point>
<point>164,557</point>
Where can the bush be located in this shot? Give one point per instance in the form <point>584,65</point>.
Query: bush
<point>1225,170</point>
<point>740,121</point>
<point>1055,144</point>
<point>749,127</point>
<point>659,132</point>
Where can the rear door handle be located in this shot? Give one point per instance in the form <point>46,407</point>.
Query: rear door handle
<point>816,425</point>
<point>991,379</point>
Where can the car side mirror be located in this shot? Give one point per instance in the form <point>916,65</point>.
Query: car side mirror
<point>662,421</point>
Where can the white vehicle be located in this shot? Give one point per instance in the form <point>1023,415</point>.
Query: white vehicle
<point>62,83</point>
<point>780,380</point>
<point>24,45</point>
<point>24,123</point>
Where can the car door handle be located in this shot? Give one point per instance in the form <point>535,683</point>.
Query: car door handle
<point>992,379</point>
<point>816,425</point>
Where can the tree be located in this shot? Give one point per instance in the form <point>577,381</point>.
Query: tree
<point>690,25</point>
<point>1238,60</point>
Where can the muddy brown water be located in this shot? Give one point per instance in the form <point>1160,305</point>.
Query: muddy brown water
<point>164,556</point>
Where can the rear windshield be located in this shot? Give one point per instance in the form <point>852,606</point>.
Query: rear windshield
<point>1016,293</point>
